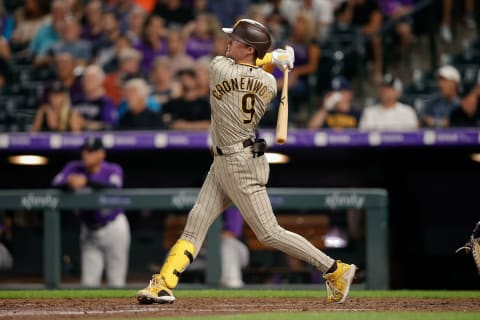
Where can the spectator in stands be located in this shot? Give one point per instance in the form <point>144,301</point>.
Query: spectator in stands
<point>123,8</point>
<point>163,85</point>
<point>136,23</point>
<point>200,35</point>
<point>128,67</point>
<point>446,22</point>
<point>468,115</point>
<point>65,73</point>
<point>441,104</point>
<point>77,8</point>
<point>220,44</point>
<point>176,52</point>
<point>367,16</point>
<point>201,70</point>
<point>307,56</point>
<point>28,20</point>
<point>199,6</point>
<point>105,233</point>
<point>174,13</point>
<point>5,52</point>
<point>235,255</point>
<point>276,22</point>
<point>138,116</point>
<point>337,111</point>
<point>96,108</point>
<point>347,38</point>
<point>7,23</point>
<point>93,27</point>
<point>389,114</point>
<point>400,9</point>
<point>112,41</point>
<point>190,111</point>
<point>49,33</point>
<point>228,12</point>
<point>255,13</point>
<point>153,43</point>
<point>57,113</point>
<point>320,11</point>
<point>81,50</point>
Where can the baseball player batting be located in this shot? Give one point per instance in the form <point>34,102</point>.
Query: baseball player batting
<point>240,92</point>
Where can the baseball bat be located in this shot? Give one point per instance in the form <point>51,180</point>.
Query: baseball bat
<point>282,117</point>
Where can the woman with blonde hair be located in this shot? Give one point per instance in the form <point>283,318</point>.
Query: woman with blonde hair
<point>307,57</point>
<point>200,35</point>
<point>57,114</point>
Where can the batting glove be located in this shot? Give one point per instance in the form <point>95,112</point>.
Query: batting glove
<point>283,58</point>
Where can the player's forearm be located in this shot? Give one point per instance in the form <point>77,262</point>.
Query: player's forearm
<point>100,185</point>
<point>318,119</point>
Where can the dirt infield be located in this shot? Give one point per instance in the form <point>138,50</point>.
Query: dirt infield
<point>128,308</point>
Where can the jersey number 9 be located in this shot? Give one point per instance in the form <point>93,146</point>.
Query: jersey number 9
<point>248,107</point>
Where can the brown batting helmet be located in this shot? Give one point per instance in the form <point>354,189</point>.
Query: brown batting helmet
<point>251,33</point>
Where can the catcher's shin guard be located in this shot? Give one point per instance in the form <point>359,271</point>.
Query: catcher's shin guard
<point>178,259</point>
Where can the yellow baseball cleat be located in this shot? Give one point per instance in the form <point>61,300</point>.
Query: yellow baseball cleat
<point>155,292</point>
<point>338,282</point>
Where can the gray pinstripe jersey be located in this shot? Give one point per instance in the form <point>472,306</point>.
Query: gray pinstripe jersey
<point>239,96</point>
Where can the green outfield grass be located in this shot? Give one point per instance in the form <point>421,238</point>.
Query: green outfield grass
<point>120,293</point>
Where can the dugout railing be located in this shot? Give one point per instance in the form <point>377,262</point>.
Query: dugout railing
<point>373,201</point>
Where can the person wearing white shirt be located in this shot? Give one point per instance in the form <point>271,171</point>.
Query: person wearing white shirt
<point>389,114</point>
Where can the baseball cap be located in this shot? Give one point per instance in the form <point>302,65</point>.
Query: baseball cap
<point>449,73</point>
<point>391,81</point>
<point>340,83</point>
<point>93,144</point>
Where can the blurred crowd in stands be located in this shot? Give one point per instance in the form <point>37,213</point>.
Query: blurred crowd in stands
<point>83,65</point>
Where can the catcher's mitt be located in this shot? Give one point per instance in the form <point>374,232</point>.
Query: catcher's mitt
<point>473,247</point>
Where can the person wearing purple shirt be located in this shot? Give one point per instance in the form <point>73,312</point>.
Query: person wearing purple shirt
<point>197,48</point>
<point>92,29</point>
<point>153,43</point>
<point>200,35</point>
<point>235,255</point>
<point>96,108</point>
<point>104,234</point>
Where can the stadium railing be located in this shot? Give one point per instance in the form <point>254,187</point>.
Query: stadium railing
<point>373,201</point>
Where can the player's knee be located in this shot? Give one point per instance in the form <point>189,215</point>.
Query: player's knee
<point>270,236</point>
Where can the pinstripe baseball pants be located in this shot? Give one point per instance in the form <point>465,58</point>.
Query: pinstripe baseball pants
<point>241,178</point>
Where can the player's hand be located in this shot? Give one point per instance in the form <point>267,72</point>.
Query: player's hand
<point>283,58</point>
<point>76,181</point>
<point>332,100</point>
